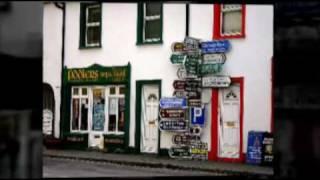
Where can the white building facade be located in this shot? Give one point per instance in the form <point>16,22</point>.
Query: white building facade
<point>106,110</point>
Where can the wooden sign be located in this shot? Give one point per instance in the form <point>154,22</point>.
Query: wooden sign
<point>216,81</point>
<point>194,102</point>
<point>215,46</point>
<point>180,94</point>
<point>173,125</point>
<point>172,102</point>
<point>180,152</point>
<point>217,58</point>
<point>178,58</point>
<point>177,47</point>
<point>179,84</point>
<point>172,113</point>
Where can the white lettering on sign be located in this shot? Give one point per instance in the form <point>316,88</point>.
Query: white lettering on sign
<point>218,58</point>
<point>216,81</point>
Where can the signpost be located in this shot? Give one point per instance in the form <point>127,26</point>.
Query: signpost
<point>182,73</point>
<point>194,94</point>
<point>215,46</point>
<point>172,113</point>
<point>177,58</point>
<point>199,150</point>
<point>173,125</point>
<point>180,152</point>
<point>179,84</point>
<point>217,58</point>
<point>172,102</point>
<point>177,47</point>
<point>216,81</point>
<point>191,44</point>
<point>197,116</point>
<point>194,102</point>
<point>209,68</point>
<point>184,139</point>
<point>180,93</point>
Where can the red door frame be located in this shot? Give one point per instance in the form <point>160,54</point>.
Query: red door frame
<point>213,154</point>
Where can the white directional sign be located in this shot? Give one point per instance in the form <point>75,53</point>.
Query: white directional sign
<point>217,58</point>
<point>216,81</point>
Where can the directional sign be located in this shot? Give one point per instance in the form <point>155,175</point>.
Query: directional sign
<point>194,94</point>
<point>180,152</point>
<point>180,94</point>
<point>215,46</point>
<point>210,68</point>
<point>184,139</point>
<point>194,102</point>
<point>216,81</point>
<point>182,73</point>
<point>197,115</point>
<point>173,125</point>
<point>179,84</point>
<point>217,58</point>
<point>177,47</point>
<point>177,58</point>
<point>172,113</point>
<point>199,150</point>
<point>191,43</point>
<point>172,102</point>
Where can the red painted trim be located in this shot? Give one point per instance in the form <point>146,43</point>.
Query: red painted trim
<point>213,154</point>
<point>217,24</point>
<point>272,96</point>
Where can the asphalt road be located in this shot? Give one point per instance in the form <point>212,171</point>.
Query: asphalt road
<point>54,167</point>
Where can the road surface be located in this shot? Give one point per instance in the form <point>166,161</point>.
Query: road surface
<point>55,167</point>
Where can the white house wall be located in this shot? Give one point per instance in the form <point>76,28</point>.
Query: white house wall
<point>52,44</point>
<point>249,57</point>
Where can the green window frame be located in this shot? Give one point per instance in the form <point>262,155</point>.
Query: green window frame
<point>90,26</point>
<point>150,23</point>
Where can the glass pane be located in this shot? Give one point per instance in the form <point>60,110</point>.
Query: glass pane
<point>112,123</point>
<point>122,90</point>
<point>93,35</point>
<point>231,22</point>
<point>121,114</point>
<point>75,91</point>
<point>153,9</point>
<point>153,29</point>
<point>112,90</point>
<point>98,117</point>
<point>84,91</point>
<point>94,14</point>
<point>113,109</point>
<point>75,114</point>
<point>84,114</point>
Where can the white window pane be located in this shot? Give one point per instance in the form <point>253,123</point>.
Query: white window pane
<point>231,22</point>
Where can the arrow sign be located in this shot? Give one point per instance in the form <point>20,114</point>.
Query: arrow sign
<point>173,125</point>
<point>194,102</point>
<point>194,94</point>
<point>216,81</point>
<point>179,84</point>
<point>172,102</point>
<point>191,44</point>
<point>217,58</point>
<point>177,58</point>
<point>180,152</point>
<point>184,139</point>
<point>182,73</point>
<point>180,94</point>
<point>172,113</point>
<point>210,68</point>
<point>215,46</point>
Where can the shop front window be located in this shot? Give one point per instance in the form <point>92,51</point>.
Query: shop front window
<point>79,110</point>
<point>116,111</point>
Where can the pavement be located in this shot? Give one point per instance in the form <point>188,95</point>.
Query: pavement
<point>155,161</point>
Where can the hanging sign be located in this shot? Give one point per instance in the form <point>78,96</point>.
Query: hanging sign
<point>197,116</point>
<point>173,102</point>
<point>177,47</point>
<point>173,125</point>
<point>179,84</point>
<point>172,113</point>
<point>215,46</point>
<point>217,58</point>
<point>191,44</point>
<point>209,68</point>
<point>180,152</point>
<point>194,103</point>
<point>216,81</point>
<point>180,94</point>
<point>177,58</point>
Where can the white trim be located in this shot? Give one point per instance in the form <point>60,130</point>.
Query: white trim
<point>91,24</point>
<point>80,97</point>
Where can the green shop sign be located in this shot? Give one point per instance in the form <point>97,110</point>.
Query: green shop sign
<point>97,74</point>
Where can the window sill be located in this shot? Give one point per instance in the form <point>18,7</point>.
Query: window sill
<point>148,43</point>
<point>90,47</point>
<point>238,36</point>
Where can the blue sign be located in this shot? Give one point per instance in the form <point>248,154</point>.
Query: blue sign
<point>254,150</point>
<point>215,46</point>
<point>197,115</point>
<point>173,102</point>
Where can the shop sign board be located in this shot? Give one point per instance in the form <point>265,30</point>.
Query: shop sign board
<point>194,103</point>
<point>197,116</point>
<point>180,93</point>
<point>47,122</point>
<point>210,68</point>
<point>172,113</point>
<point>191,44</point>
<point>177,47</point>
<point>216,81</point>
<point>180,152</point>
<point>215,46</point>
<point>173,102</point>
<point>199,150</point>
<point>179,84</point>
<point>173,125</point>
<point>178,58</point>
<point>216,58</point>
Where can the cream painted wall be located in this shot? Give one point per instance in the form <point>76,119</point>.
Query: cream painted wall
<point>249,57</point>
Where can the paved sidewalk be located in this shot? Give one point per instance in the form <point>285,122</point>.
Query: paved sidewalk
<point>161,162</point>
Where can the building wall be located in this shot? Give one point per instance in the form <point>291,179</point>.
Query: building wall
<point>52,46</point>
<point>249,57</point>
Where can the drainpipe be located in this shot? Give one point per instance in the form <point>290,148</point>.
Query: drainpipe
<point>62,6</point>
<point>187,18</point>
